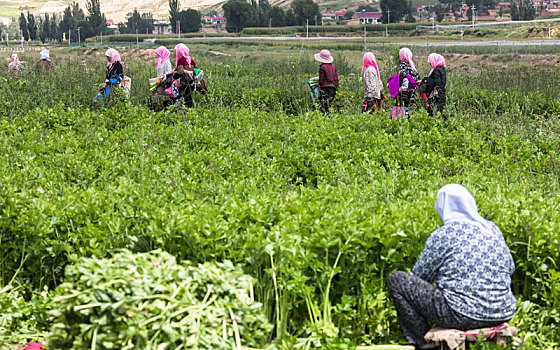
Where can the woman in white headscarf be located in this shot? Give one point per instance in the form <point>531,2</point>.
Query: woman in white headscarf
<point>468,260</point>
<point>44,60</point>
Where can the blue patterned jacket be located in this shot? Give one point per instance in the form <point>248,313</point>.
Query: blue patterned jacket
<point>473,267</point>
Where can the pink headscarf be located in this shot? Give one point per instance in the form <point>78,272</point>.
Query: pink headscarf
<point>406,56</point>
<point>182,51</point>
<point>369,61</point>
<point>14,65</point>
<point>163,55</point>
<point>114,55</point>
<point>436,60</point>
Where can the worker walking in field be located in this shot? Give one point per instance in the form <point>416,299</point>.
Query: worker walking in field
<point>114,76</point>
<point>114,72</point>
<point>158,98</point>
<point>373,87</point>
<point>185,64</point>
<point>408,90</point>
<point>44,61</point>
<point>468,260</point>
<point>186,77</point>
<point>328,79</point>
<point>163,66</point>
<point>438,75</point>
<point>14,66</point>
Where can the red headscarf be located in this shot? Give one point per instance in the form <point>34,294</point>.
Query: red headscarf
<point>436,60</point>
<point>369,61</point>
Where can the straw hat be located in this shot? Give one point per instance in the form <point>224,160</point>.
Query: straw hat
<point>324,56</point>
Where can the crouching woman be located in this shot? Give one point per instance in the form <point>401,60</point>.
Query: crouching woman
<point>468,260</point>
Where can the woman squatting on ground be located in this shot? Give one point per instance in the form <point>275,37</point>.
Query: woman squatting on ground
<point>468,260</point>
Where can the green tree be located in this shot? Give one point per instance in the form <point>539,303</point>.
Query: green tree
<point>395,10</point>
<point>526,11</point>
<point>144,23</point>
<point>96,18</point>
<point>190,21</point>
<point>174,10</point>
<point>263,8</point>
<point>45,27</point>
<point>77,19</point>
<point>67,24</point>
<point>31,26</point>
<point>291,17</point>
<point>367,7</point>
<point>23,27</point>
<point>54,32</point>
<point>305,10</point>
<point>514,11</point>
<point>348,15</point>
<point>239,14</point>
<point>277,16</point>
<point>439,10</point>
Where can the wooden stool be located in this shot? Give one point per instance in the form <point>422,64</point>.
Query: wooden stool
<point>458,340</point>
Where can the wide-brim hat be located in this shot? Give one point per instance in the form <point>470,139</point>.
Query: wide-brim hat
<point>324,56</point>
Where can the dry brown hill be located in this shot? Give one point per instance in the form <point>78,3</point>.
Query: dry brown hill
<point>117,10</point>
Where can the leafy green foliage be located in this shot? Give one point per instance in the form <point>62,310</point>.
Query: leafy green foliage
<point>319,210</point>
<point>21,319</point>
<point>149,301</point>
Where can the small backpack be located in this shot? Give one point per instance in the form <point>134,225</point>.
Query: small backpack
<point>177,85</point>
<point>173,89</point>
<point>427,85</point>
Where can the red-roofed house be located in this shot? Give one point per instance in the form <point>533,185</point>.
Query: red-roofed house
<point>218,20</point>
<point>207,19</point>
<point>368,17</point>
<point>338,15</point>
<point>111,24</point>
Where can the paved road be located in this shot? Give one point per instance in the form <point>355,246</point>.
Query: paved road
<point>427,43</point>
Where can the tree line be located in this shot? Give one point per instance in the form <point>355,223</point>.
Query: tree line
<point>239,13</point>
<point>72,22</point>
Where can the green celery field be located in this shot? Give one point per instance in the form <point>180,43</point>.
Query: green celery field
<point>294,219</point>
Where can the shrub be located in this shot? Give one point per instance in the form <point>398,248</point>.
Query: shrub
<point>149,301</point>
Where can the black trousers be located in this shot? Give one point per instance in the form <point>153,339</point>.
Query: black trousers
<point>186,97</point>
<point>438,103</point>
<point>327,96</point>
<point>420,304</point>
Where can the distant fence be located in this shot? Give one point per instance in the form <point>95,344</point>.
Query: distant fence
<point>16,48</point>
<point>482,24</point>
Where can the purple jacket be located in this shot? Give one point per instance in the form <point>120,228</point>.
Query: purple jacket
<point>393,84</point>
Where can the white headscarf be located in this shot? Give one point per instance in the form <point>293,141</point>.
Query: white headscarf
<point>455,203</point>
<point>45,55</point>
